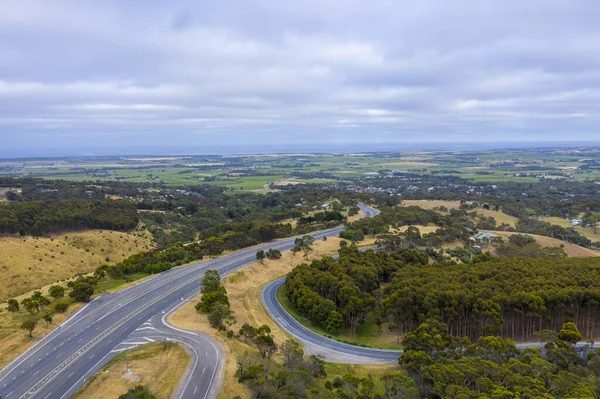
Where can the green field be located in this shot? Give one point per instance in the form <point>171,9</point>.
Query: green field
<point>248,173</point>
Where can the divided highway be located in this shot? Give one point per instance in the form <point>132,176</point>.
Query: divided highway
<point>58,365</point>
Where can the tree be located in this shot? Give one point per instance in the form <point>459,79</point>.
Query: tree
<point>569,333</point>
<point>260,256</point>
<point>211,281</point>
<point>248,332</point>
<point>44,301</point>
<point>211,298</point>
<point>48,318</point>
<point>292,353</point>
<point>56,291</point>
<point>273,253</point>
<point>593,221</point>
<point>82,292</point>
<point>13,305</point>
<point>220,315</point>
<point>31,305</point>
<point>264,341</point>
<point>29,325</point>
<point>60,307</point>
<point>213,246</point>
<point>334,322</point>
<point>396,385</point>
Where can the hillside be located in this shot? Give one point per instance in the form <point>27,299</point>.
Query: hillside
<point>574,251</point>
<point>29,263</point>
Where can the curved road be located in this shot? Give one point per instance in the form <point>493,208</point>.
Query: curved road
<point>315,343</point>
<point>58,365</point>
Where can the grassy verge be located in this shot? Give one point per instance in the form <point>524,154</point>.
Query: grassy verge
<point>158,366</point>
<point>369,334</point>
<point>14,341</point>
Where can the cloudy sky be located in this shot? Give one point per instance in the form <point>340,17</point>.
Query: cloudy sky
<point>139,76</point>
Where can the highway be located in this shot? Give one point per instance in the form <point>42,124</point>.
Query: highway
<point>58,365</point>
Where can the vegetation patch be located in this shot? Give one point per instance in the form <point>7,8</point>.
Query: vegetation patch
<point>159,367</point>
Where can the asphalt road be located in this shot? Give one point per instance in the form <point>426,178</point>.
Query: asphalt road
<point>314,343</point>
<point>57,366</point>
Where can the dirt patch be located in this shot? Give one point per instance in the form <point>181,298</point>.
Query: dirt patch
<point>158,366</point>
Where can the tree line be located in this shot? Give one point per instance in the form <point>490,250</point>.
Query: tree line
<point>39,218</point>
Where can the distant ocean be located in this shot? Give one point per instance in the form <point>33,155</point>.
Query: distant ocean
<point>288,148</point>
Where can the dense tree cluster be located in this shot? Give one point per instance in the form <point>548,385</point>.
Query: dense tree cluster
<point>511,297</point>
<point>491,367</point>
<point>340,293</point>
<point>44,217</point>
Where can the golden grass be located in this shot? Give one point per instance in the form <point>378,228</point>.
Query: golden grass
<point>158,366</point>
<point>499,216</point>
<point>15,341</point>
<point>243,289</point>
<point>423,229</point>
<point>430,204</point>
<point>30,263</point>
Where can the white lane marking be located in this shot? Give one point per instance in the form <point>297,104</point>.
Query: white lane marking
<point>195,389</point>
<point>36,372</point>
<point>149,339</point>
<point>71,374</point>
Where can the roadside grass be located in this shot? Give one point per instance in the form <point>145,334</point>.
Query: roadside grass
<point>14,341</point>
<point>29,263</point>
<point>158,366</point>
<point>243,291</point>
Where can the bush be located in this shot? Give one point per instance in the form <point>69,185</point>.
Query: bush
<point>61,307</point>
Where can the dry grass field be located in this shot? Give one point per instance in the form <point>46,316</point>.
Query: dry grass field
<point>243,289</point>
<point>585,231</point>
<point>15,341</point>
<point>574,251</point>
<point>430,204</point>
<point>158,366</point>
<point>29,263</point>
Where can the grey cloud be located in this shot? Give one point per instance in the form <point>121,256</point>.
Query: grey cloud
<point>111,73</point>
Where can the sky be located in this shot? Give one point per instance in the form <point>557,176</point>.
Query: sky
<point>148,76</point>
